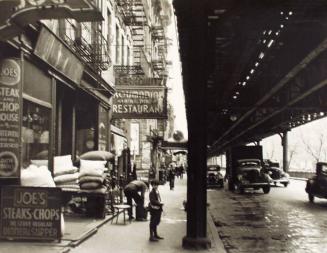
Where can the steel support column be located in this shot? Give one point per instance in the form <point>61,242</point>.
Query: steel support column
<point>284,137</point>
<point>193,23</point>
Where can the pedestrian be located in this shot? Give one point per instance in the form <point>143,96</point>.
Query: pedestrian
<point>155,208</point>
<point>171,177</point>
<point>182,170</point>
<point>135,190</point>
<point>134,172</point>
<point>152,174</point>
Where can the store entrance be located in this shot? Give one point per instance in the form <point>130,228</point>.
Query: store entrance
<point>86,123</point>
<point>65,120</point>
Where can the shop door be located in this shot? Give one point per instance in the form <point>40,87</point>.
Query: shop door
<point>65,121</point>
<point>86,123</point>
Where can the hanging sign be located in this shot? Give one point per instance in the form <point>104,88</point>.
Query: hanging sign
<point>140,102</point>
<point>30,213</point>
<point>10,109</point>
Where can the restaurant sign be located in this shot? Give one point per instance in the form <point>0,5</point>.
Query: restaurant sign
<point>138,81</point>
<point>140,102</point>
<point>30,213</point>
<point>15,14</point>
<point>10,109</point>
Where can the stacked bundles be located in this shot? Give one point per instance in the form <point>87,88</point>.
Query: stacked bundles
<point>91,176</point>
<point>65,174</point>
<point>39,176</point>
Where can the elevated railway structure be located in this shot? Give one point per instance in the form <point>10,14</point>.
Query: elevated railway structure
<point>251,69</point>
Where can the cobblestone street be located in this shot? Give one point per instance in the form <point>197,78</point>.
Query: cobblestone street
<point>282,221</point>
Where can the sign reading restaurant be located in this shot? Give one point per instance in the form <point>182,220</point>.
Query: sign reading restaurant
<point>140,102</point>
<point>10,109</point>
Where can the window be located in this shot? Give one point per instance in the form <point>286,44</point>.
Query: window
<point>35,132</point>
<point>122,50</point>
<point>117,45</point>
<point>109,38</point>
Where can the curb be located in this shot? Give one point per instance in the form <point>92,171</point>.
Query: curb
<point>90,232</point>
<point>299,178</point>
<point>217,245</point>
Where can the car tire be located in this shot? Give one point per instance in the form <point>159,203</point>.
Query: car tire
<point>285,184</point>
<point>266,189</point>
<point>311,198</point>
<point>238,188</point>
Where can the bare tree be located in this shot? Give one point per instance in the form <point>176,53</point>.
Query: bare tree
<point>316,150</point>
<point>270,153</point>
<point>292,150</point>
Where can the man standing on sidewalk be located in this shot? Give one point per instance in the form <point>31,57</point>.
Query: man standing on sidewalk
<point>131,192</point>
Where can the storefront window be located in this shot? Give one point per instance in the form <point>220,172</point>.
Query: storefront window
<point>35,134</point>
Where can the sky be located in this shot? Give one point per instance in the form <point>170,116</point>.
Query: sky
<point>175,83</point>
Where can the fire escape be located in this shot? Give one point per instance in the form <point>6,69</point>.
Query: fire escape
<point>133,15</point>
<point>87,41</point>
<point>159,63</point>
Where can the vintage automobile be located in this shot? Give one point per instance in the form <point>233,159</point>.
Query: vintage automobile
<point>214,177</point>
<point>277,175</point>
<point>250,174</point>
<point>317,185</point>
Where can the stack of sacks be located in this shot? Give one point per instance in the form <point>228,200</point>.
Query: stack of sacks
<point>65,174</point>
<point>35,176</point>
<point>91,175</point>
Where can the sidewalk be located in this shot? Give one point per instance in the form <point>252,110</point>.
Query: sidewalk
<point>83,235</point>
<point>134,237</point>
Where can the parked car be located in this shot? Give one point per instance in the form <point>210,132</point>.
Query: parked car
<point>214,177</point>
<point>277,175</point>
<point>250,174</point>
<point>317,185</point>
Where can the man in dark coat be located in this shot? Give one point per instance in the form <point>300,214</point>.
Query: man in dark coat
<point>131,191</point>
<point>155,207</point>
<point>171,177</point>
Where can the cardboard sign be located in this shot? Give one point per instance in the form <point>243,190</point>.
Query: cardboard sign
<point>50,49</point>
<point>30,213</point>
<point>10,109</point>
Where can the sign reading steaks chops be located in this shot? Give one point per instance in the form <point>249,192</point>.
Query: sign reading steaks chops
<point>30,213</point>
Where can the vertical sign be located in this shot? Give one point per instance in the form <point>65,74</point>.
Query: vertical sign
<point>135,138</point>
<point>146,155</point>
<point>103,126</point>
<point>10,108</point>
<point>30,213</point>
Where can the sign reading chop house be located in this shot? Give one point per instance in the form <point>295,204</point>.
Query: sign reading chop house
<point>30,213</point>
<point>140,102</point>
<point>10,107</point>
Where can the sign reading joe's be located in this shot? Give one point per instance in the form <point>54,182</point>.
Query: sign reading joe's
<point>10,109</point>
<point>30,213</point>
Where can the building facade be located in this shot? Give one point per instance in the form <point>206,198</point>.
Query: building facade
<point>140,101</point>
